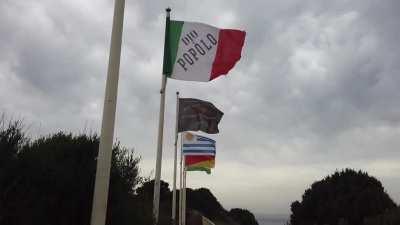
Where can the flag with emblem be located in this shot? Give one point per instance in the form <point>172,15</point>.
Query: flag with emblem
<point>199,152</point>
<point>195,115</point>
<point>200,52</point>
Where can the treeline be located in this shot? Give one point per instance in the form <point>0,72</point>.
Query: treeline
<point>50,180</point>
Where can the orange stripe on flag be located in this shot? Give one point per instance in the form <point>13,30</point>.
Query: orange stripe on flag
<point>192,159</point>
<point>205,164</point>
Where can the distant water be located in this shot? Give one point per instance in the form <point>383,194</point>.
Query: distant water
<point>272,220</point>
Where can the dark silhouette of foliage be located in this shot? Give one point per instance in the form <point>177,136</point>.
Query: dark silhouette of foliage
<point>204,201</point>
<point>50,180</point>
<point>199,202</point>
<point>390,217</point>
<point>346,197</point>
<point>11,140</point>
<point>243,216</point>
<point>145,198</point>
<point>146,190</point>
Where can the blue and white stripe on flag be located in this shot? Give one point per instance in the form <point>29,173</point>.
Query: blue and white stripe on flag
<point>193,144</point>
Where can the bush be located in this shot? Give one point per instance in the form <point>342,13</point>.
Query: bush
<point>346,197</point>
<point>51,180</point>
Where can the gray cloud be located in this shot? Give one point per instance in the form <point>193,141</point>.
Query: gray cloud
<point>316,89</point>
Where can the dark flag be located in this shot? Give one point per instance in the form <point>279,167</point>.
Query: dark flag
<point>195,115</point>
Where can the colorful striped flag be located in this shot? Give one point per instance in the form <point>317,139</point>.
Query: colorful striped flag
<point>199,152</point>
<point>200,163</point>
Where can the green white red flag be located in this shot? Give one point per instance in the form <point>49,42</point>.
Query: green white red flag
<point>200,52</point>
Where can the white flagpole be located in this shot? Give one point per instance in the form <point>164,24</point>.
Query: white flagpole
<point>100,196</point>
<point>180,185</point>
<point>184,194</point>
<point>175,162</point>
<point>157,179</point>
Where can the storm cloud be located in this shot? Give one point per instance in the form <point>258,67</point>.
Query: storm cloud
<point>317,88</point>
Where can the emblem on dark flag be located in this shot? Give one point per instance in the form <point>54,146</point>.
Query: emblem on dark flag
<point>198,115</point>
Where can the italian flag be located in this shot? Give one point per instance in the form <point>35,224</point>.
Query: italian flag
<point>200,52</point>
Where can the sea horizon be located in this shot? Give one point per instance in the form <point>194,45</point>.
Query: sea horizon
<point>272,219</point>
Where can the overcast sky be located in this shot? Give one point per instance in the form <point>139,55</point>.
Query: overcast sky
<point>317,88</point>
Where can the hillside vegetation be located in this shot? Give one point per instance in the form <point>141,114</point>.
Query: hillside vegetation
<point>50,180</point>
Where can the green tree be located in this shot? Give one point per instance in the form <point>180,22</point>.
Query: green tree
<point>200,202</point>
<point>11,140</point>
<point>205,202</point>
<point>50,180</point>
<point>243,216</point>
<point>347,196</point>
<point>145,198</point>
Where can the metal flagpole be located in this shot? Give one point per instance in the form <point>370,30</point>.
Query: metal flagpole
<point>156,200</point>
<point>184,194</point>
<point>180,185</point>
<point>157,179</point>
<point>100,196</point>
<point>175,162</point>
